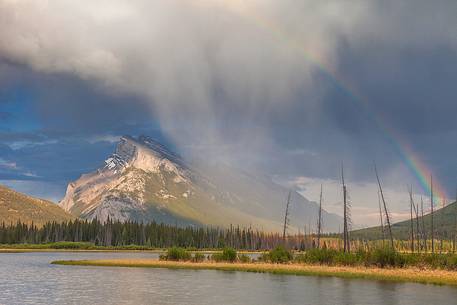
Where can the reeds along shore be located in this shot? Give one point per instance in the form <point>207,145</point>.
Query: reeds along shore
<point>439,277</point>
<point>381,264</point>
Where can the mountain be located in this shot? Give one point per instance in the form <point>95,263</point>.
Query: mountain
<point>15,206</point>
<point>145,181</point>
<point>444,222</point>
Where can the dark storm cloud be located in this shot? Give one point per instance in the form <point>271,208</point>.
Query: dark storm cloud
<point>73,119</point>
<point>214,82</point>
<point>66,105</point>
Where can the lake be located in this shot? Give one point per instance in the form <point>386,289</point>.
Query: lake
<point>29,278</point>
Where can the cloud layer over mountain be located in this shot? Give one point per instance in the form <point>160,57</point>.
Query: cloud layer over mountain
<point>249,82</point>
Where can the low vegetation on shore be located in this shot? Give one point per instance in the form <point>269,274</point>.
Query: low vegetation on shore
<point>64,245</point>
<point>439,277</point>
<point>381,264</point>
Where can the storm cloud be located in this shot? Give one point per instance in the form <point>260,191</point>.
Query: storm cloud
<point>248,82</point>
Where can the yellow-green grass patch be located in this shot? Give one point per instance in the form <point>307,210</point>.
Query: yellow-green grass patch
<point>416,275</point>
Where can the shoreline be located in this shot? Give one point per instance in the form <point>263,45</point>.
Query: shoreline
<point>159,251</point>
<point>31,250</point>
<point>413,275</point>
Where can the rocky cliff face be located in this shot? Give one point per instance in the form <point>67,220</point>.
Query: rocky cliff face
<point>144,181</point>
<point>124,187</point>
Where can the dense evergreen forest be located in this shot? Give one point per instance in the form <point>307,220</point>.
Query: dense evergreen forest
<point>114,233</point>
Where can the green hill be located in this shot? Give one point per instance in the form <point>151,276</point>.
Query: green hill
<point>444,223</point>
<point>15,206</point>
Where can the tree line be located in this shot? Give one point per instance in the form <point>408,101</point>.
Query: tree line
<point>154,235</point>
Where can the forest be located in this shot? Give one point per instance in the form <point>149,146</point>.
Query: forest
<point>153,235</point>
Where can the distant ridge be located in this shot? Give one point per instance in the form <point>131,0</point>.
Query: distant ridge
<point>15,206</point>
<point>444,222</point>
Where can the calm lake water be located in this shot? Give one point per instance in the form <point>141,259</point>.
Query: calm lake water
<point>28,278</point>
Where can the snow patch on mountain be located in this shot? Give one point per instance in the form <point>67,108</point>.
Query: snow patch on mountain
<point>144,181</point>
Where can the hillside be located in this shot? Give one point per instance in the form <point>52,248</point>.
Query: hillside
<point>144,181</point>
<point>444,222</point>
<point>15,206</point>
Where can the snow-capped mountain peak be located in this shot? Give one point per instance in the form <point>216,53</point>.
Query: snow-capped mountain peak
<point>144,181</point>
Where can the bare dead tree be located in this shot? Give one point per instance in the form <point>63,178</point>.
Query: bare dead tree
<point>385,209</point>
<point>311,234</point>
<point>454,235</point>
<point>305,236</point>
<point>319,221</point>
<point>418,233</point>
<point>381,219</point>
<point>455,224</point>
<point>411,217</point>
<point>431,215</point>
<point>286,219</point>
<point>349,218</point>
<point>424,232</point>
<point>346,246</point>
<point>339,239</point>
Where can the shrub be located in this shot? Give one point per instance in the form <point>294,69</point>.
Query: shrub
<point>70,245</point>
<point>278,255</point>
<point>386,257</point>
<point>177,254</point>
<point>318,256</point>
<point>198,257</point>
<point>244,258</point>
<point>441,261</point>
<point>452,262</point>
<point>348,259</point>
<point>413,259</point>
<point>227,255</point>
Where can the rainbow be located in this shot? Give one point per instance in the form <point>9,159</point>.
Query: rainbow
<point>411,159</point>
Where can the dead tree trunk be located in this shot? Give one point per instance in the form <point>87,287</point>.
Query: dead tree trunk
<point>455,225</point>
<point>346,246</point>
<point>385,209</point>
<point>286,219</point>
<point>418,237</point>
<point>411,217</point>
<point>431,215</point>
<point>381,220</point>
<point>319,221</point>
<point>424,232</point>
<point>455,230</point>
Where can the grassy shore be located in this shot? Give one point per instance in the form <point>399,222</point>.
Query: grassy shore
<point>90,247</point>
<point>70,246</point>
<point>31,250</point>
<point>438,277</point>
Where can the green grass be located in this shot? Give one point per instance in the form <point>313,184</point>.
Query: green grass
<point>64,245</point>
<point>377,264</point>
<point>58,246</point>
<point>379,257</point>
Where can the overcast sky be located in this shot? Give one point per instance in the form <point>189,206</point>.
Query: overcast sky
<point>292,88</point>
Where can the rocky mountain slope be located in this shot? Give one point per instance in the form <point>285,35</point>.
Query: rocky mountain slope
<point>144,181</point>
<point>15,206</point>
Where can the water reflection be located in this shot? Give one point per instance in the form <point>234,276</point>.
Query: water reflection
<point>28,278</point>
